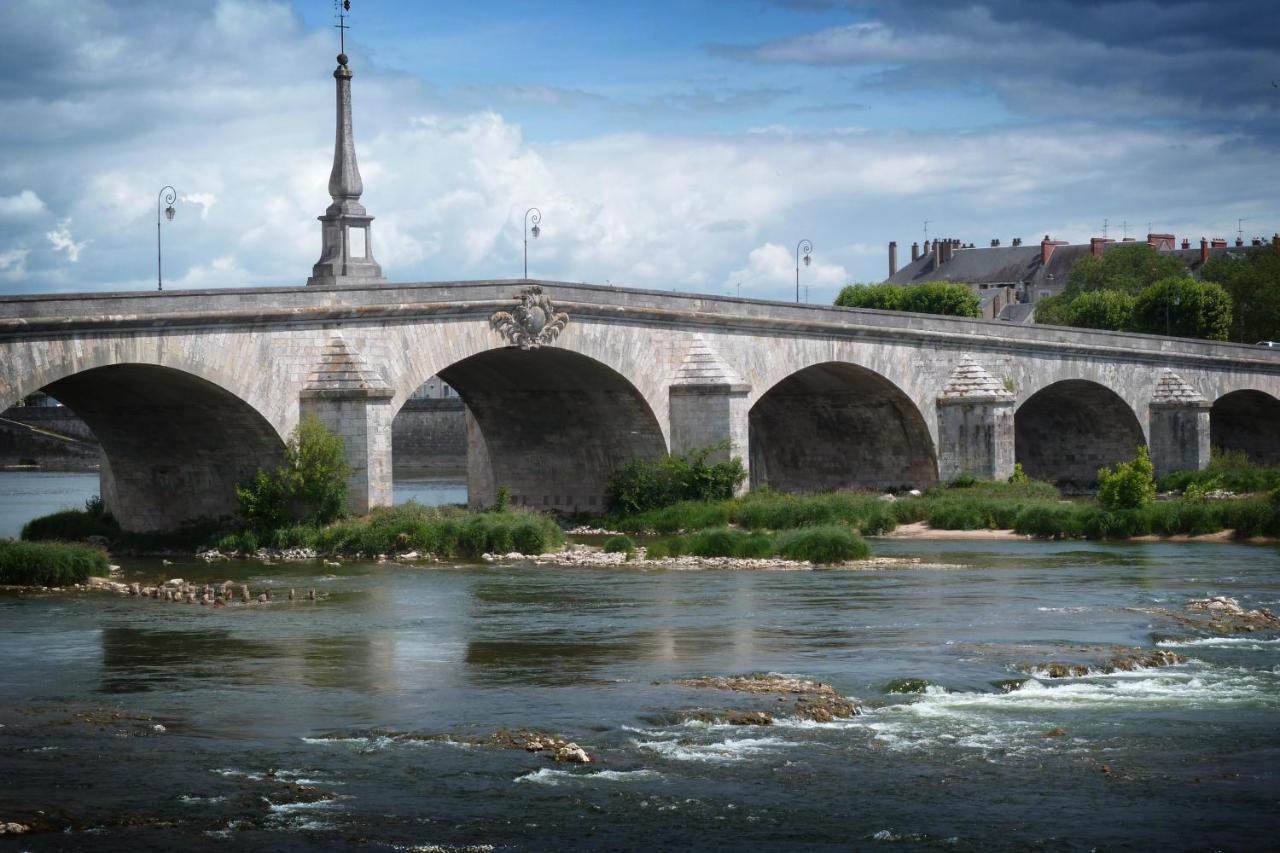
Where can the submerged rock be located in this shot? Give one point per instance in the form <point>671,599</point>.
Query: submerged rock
<point>906,685</point>
<point>13,828</point>
<point>1122,662</point>
<point>729,718</point>
<point>814,700</point>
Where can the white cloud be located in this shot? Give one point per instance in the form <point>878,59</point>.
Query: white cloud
<point>60,240</point>
<point>21,206</point>
<point>13,263</point>
<point>203,200</point>
<point>771,270</point>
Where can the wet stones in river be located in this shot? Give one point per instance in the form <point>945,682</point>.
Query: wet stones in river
<point>1127,661</point>
<point>812,700</point>
<point>728,718</point>
<point>555,748</point>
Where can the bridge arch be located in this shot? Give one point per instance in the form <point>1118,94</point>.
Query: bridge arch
<point>174,444</point>
<point>838,425</point>
<point>1247,421</point>
<point>1069,429</point>
<point>550,425</point>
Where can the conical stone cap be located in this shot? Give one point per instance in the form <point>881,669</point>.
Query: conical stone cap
<point>1173,390</point>
<point>342,372</point>
<point>970,382</point>
<point>703,367</point>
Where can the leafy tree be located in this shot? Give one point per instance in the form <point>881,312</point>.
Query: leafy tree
<point>310,485</point>
<point>1130,486</point>
<point>640,485</point>
<point>938,297</point>
<point>1129,268</point>
<point>883,296</point>
<point>1253,281</point>
<point>941,297</point>
<point>1111,310</point>
<point>1184,307</point>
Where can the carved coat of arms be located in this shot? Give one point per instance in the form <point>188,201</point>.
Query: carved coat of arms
<point>532,323</point>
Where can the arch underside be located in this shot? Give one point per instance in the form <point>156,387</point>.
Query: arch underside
<point>1065,432</point>
<point>551,426</point>
<point>1248,422</point>
<point>174,446</point>
<point>839,426</point>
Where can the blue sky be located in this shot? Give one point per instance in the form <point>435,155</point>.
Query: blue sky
<point>675,145</point>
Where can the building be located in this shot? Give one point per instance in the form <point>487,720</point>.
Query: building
<point>1011,279</point>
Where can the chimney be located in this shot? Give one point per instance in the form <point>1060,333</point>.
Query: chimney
<point>1096,244</point>
<point>893,257</point>
<point>937,254</point>
<point>1160,242</point>
<point>915,251</point>
<point>1186,244</point>
<point>1046,249</point>
<point>1204,250</point>
<point>1257,241</point>
<point>995,243</point>
<point>1017,241</point>
<point>1239,241</point>
<point>1218,243</point>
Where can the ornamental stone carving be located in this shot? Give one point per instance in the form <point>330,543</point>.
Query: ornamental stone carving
<point>532,323</point>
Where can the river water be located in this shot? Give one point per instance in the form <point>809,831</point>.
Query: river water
<point>345,723</point>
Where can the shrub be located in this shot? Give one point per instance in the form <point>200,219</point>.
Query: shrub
<point>940,297</point>
<point>826,544</point>
<point>1110,310</point>
<point>1227,469</point>
<point>49,563</point>
<point>1050,521</point>
<point>765,509</point>
<point>643,485</point>
<point>1018,477</point>
<point>963,480</point>
<point>1131,485</point>
<point>311,483</point>
<point>71,525</point>
<point>619,545</point>
<point>885,297</point>
<point>1182,306</point>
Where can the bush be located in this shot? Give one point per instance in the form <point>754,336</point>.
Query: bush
<point>686,515</point>
<point>49,563</point>
<point>1182,306</point>
<point>71,525</point>
<point>884,297</point>
<point>641,485</point>
<point>1018,477</point>
<point>1131,485</point>
<point>963,480</point>
<point>1049,521</point>
<point>826,544</point>
<point>1110,310</point>
<point>1227,469</point>
<point>619,545</point>
<point>765,509</point>
<point>940,297</point>
<point>311,483</point>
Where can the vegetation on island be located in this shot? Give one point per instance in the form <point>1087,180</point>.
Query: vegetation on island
<point>937,297</point>
<point>49,563</point>
<point>1126,506</point>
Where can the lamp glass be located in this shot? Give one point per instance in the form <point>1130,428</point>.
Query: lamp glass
<point>807,260</point>
<point>536,232</point>
<point>169,212</point>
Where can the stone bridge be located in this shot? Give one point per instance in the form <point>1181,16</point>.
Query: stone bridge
<point>190,392</point>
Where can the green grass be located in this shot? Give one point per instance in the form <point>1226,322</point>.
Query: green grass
<point>619,545</point>
<point>823,544</point>
<point>442,531</point>
<point>70,525</point>
<point>49,563</point>
<point>1230,470</point>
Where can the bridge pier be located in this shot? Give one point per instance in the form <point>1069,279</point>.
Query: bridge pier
<point>708,415</point>
<point>1178,427</point>
<point>354,403</point>
<point>975,425</point>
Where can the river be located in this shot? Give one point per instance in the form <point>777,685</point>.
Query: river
<point>346,723</point>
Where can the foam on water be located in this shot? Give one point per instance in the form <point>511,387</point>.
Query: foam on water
<point>725,751</point>
<point>1246,643</point>
<point>548,776</point>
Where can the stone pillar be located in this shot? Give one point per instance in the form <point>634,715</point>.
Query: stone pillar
<point>975,425</point>
<point>354,402</point>
<point>708,406</point>
<point>1178,426</point>
<point>482,486</point>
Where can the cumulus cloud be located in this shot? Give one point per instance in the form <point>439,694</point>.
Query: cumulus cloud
<point>249,144</point>
<point>60,240</point>
<point>21,206</point>
<point>13,263</point>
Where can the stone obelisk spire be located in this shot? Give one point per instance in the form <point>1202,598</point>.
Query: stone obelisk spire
<point>346,255</point>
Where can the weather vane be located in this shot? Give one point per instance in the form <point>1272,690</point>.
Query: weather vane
<point>342,10</point>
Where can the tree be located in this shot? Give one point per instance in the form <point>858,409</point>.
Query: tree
<point>1111,310</point>
<point>1184,307</point>
<point>882,296</point>
<point>1253,281</point>
<point>1128,268</point>
<point>310,485</point>
<point>937,297</point>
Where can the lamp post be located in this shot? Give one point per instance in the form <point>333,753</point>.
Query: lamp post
<point>168,195</point>
<point>808,251</point>
<point>535,218</point>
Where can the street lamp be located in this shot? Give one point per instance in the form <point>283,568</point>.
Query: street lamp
<point>168,195</point>
<point>808,251</point>
<point>535,219</point>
